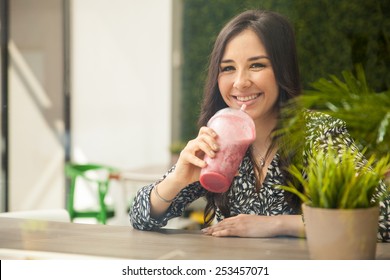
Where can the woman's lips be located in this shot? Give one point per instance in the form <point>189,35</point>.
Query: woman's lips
<point>247,98</point>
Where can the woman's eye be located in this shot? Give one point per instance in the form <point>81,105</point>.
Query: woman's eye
<point>227,68</point>
<point>257,65</point>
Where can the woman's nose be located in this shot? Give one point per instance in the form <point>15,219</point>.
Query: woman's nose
<point>242,80</point>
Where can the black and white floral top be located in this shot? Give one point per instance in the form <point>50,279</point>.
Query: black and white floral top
<point>243,197</point>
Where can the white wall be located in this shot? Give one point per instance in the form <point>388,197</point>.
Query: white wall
<point>121,81</point>
<point>36,178</point>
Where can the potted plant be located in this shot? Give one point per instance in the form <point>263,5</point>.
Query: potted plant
<point>340,196</point>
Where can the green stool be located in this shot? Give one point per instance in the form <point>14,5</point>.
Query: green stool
<point>73,172</point>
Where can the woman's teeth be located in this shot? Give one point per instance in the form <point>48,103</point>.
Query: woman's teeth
<point>247,98</point>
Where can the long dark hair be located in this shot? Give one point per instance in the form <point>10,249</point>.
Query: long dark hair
<point>277,36</point>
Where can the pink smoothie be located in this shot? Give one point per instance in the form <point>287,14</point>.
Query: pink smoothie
<point>236,131</point>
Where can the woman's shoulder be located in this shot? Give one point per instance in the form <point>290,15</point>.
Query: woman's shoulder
<point>316,119</point>
<point>320,125</point>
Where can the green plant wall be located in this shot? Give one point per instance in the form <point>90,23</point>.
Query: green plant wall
<point>332,36</point>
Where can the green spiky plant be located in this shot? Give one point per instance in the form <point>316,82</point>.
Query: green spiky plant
<point>330,180</point>
<point>366,112</point>
<point>339,179</point>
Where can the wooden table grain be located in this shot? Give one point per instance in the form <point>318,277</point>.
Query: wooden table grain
<point>123,242</point>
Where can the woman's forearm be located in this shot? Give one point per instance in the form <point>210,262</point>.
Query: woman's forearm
<point>163,194</point>
<point>290,225</point>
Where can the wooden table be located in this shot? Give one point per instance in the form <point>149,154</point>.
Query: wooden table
<point>123,242</point>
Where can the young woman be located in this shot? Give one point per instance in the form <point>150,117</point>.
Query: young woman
<point>253,62</point>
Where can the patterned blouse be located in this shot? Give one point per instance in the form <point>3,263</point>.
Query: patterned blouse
<point>242,195</point>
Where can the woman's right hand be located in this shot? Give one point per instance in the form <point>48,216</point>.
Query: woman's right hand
<point>191,157</point>
<point>187,170</point>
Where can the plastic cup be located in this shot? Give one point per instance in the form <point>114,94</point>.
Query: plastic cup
<point>236,131</point>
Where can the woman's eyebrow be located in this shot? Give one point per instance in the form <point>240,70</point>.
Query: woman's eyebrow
<point>227,61</point>
<point>249,59</point>
<point>258,57</point>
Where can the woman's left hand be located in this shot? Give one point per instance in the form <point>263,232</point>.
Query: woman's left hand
<point>246,225</point>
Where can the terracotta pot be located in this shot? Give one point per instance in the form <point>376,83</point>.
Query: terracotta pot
<point>334,234</point>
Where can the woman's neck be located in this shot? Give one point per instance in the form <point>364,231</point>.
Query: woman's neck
<point>264,128</point>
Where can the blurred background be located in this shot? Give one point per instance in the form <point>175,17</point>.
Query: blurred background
<point>119,82</point>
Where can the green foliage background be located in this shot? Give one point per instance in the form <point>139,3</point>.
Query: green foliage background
<point>332,36</point>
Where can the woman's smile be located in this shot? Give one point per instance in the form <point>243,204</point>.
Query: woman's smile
<point>247,99</point>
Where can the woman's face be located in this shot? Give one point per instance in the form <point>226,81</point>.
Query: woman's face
<point>246,76</point>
